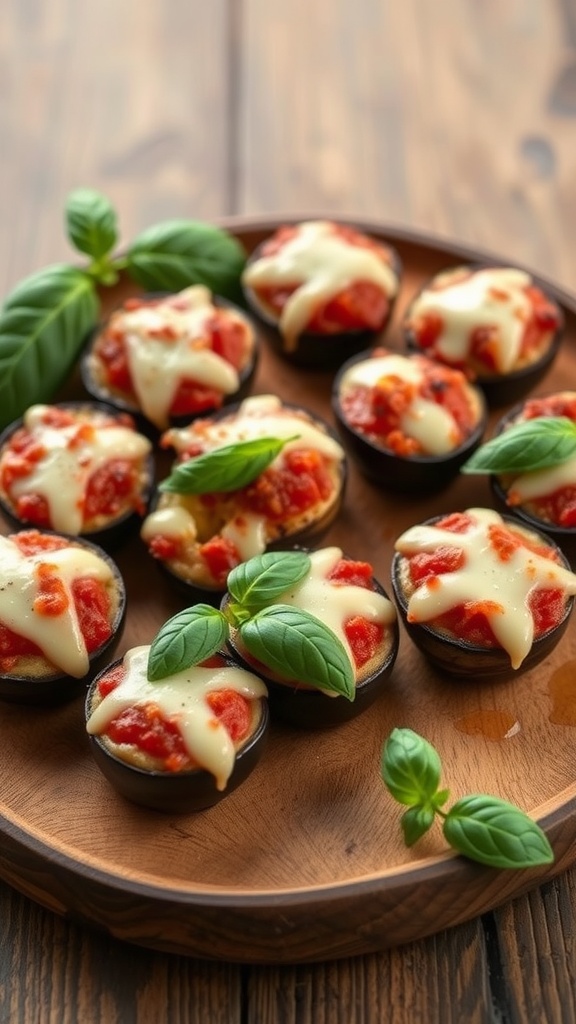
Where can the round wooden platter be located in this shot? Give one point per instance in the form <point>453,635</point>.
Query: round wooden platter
<point>305,861</point>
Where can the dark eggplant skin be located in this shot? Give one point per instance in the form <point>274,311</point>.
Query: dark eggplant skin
<point>59,688</point>
<point>501,389</point>
<point>183,792</point>
<point>461,659</point>
<point>414,474</point>
<point>563,536</point>
<point>119,528</point>
<point>101,393</point>
<point>307,708</point>
<point>306,537</point>
<point>316,351</point>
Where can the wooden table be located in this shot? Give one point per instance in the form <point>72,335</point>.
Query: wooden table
<point>453,118</point>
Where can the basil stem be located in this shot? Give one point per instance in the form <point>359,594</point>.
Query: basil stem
<point>482,828</point>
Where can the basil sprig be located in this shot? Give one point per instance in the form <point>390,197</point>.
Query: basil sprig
<point>285,639</point>
<point>45,319</point>
<point>482,828</point>
<point>225,469</point>
<point>533,444</point>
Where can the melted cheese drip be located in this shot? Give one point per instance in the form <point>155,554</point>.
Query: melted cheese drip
<point>542,482</point>
<point>59,637</point>
<point>261,416</point>
<point>182,699</point>
<point>61,477</point>
<point>491,298</point>
<point>484,577</point>
<point>335,604</point>
<point>157,366</point>
<point>424,421</point>
<point>325,264</point>
<point>173,521</point>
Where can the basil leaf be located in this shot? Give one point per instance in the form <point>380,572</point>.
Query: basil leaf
<point>410,768</point>
<point>533,444</point>
<point>496,833</point>
<point>300,648</point>
<point>415,822</point>
<point>178,253</point>
<point>186,639</point>
<point>264,578</point>
<point>91,222</point>
<point>43,325</point>
<point>225,469</point>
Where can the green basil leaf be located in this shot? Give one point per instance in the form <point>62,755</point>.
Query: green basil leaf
<point>186,639</point>
<point>43,325</point>
<point>410,768</point>
<point>262,579</point>
<point>415,822</point>
<point>530,445</point>
<point>300,648</point>
<point>179,253</point>
<point>224,469</point>
<point>91,222</point>
<point>496,833</point>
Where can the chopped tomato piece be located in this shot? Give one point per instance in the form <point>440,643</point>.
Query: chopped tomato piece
<point>146,728</point>
<point>300,482</point>
<point>109,488</point>
<point>192,397</point>
<point>364,638</point>
<point>164,548</point>
<point>92,603</point>
<point>33,508</point>
<point>350,573</point>
<point>220,555</point>
<point>52,598</point>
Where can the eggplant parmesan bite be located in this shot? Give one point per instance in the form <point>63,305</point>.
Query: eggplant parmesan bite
<point>199,537</point>
<point>544,499</point>
<point>169,358</point>
<point>181,743</point>
<point>408,421</point>
<point>62,608</point>
<point>78,468</point>
<point>481,595</point>
<point>325,289</point>
<point>494,323</point>
<point>346,597</point>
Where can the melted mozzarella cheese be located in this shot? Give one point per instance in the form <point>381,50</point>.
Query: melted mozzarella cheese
<point>494,297</point>
<point>172,521</point>
<point>62,475</point>
<point>181,698</point>
<point>484,577</point>
<point>261,416</point>
<point>424,421</point>
<point>325,264</point>
<point>59,637</point>
<point>334,604</point>
<point>158,365</point>
<point>541,482</point>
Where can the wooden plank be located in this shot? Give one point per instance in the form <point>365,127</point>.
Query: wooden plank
<point>123,98</point>
<point>55,972</point>
<point>390,111</point>
<point>447,974</point>
<point>537,949</point>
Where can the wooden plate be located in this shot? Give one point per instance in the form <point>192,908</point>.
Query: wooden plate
<point>305,861</point>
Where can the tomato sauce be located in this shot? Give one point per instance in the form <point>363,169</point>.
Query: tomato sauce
<point>91,600</point>
<point>482,357</point>
<point>112,489</point>
<point>145,727</point>
<point>558,507</point>
<point>377,411</point>
<point>361,305</point>
<point>223,335</point>
<point>470,620</point>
